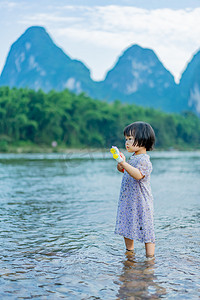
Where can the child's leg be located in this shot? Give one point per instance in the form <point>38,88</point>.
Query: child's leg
<point>129,244</point>
<point>150,249</point>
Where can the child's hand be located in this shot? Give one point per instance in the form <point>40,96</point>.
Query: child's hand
<point>122,156</point>
<point>120,168</point>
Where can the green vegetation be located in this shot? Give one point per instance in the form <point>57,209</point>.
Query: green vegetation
<point>32,120</point>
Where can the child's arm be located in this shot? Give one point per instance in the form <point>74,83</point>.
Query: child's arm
<point>134,172</point>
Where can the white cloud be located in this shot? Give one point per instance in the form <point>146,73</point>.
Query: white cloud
<point>46,19</point>
<point>172,34</point>
<point>8,4</point>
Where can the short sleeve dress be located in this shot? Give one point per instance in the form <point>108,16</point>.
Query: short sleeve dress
<point>135,207</point>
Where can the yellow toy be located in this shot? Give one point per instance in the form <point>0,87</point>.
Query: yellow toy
<point>116,154</point>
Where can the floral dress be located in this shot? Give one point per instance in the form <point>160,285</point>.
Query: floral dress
<point>135,208</point>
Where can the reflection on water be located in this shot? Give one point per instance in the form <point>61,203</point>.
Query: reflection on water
<point>58,215</point>
<point>138,280</point>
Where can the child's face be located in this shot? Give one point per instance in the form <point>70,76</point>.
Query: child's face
<point>129,144</point>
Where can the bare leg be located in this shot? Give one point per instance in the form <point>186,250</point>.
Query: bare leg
<point>150,249</point>
<point>129,244</point>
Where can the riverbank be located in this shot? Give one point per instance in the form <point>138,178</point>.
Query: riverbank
<point>27,147</point>
<point>24,147</point>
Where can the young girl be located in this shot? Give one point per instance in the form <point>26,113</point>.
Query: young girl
<point>135,208</point>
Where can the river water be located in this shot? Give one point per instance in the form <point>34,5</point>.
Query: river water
<point>57,229</point>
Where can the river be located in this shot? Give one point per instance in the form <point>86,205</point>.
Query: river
<point>57,228</point>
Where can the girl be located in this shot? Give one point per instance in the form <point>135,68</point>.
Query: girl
<point>135,208</point>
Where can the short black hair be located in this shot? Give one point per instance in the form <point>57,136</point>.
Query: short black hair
<point>143,133</point>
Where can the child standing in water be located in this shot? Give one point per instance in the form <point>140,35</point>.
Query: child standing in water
<point>135,208</point>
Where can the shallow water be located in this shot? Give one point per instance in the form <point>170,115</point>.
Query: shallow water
<point>57,221</point>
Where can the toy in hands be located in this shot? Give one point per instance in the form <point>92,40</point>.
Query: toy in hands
<point>116,154</point>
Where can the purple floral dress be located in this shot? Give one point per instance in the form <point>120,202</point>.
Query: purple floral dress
<point>135,208</point>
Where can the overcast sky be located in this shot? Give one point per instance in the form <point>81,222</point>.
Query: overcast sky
<point>98,31</point>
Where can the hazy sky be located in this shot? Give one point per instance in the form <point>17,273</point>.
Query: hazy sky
<point>98,31</point>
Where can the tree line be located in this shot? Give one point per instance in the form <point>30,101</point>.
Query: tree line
<point>77,120</point>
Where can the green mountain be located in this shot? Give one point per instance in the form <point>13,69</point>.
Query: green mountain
<point>138,77</point>
<point>190,84</point>
<point>34,61</point>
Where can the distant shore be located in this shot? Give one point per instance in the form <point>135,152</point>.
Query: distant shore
<point>47,149</point>
<point>33,148</point>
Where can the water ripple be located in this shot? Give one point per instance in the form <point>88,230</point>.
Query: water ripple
<point>57,221</point>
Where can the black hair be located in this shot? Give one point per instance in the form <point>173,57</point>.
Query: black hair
<point>143,134</point>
